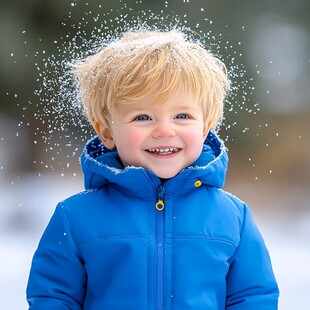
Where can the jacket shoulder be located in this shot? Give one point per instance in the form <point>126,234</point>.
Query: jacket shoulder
<point>81,211</point>
<point>235,203</point>
<point>79,199</point>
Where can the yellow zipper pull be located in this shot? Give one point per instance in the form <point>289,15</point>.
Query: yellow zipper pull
<point>160,205</point>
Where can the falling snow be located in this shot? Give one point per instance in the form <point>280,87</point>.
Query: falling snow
<point>59,109</point>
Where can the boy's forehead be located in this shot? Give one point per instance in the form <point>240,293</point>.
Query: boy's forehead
<point>179,100</point>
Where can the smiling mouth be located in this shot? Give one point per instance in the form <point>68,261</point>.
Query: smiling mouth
<point>164,151</point>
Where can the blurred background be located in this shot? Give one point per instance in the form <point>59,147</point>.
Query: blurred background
<point>266,47</point>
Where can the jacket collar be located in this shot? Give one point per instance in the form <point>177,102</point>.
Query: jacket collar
<point>102,166</point>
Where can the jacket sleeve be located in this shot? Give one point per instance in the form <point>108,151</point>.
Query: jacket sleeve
<point>57,277</point>
<point>250,281</point>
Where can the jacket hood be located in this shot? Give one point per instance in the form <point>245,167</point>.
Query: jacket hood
<point>102,166</point>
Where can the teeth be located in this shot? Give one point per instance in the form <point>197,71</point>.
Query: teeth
<point>165,150</point>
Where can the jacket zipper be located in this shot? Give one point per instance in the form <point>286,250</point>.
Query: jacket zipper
<point>160,205</point>
<point>160,249</point>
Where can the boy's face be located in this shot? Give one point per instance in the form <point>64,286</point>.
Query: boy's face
<point>162,138</point>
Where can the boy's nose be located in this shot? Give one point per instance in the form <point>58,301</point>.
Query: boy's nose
<point>163,131</point>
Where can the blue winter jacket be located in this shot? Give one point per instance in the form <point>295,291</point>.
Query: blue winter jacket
<point>110,248</point>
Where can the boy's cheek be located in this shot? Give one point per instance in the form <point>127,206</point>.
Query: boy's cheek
<point>193,137</point>
<point>129,139</point>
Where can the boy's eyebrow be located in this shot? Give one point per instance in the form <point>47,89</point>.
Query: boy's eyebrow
<point>126,109</point>
<point>185,107</point>
<point>131,107</point>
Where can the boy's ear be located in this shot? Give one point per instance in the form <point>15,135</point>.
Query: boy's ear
<point>206,129</point>
<point>105,135</point>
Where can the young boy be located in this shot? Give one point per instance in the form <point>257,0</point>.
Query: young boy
<point>153,229</point>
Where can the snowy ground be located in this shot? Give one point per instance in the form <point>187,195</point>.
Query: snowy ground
<point>26,206</point>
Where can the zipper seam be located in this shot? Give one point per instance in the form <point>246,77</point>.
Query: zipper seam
<point>159,231</point>
<point>160,259</point>
<point>160,251</point>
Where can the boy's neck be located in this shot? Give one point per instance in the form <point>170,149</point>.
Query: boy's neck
<point>163,181</point>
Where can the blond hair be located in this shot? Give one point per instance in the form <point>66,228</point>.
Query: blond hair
<point>144,62</point>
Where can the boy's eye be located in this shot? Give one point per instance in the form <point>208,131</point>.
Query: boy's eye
<point>142,117</point>
<point>182,116</point>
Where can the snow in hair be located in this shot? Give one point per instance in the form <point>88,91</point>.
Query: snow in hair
<point>144,63</point>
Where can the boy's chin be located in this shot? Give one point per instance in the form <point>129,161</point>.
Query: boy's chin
<point>166,174</point>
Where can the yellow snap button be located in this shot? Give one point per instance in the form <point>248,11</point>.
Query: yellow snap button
<point>198,183</point>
